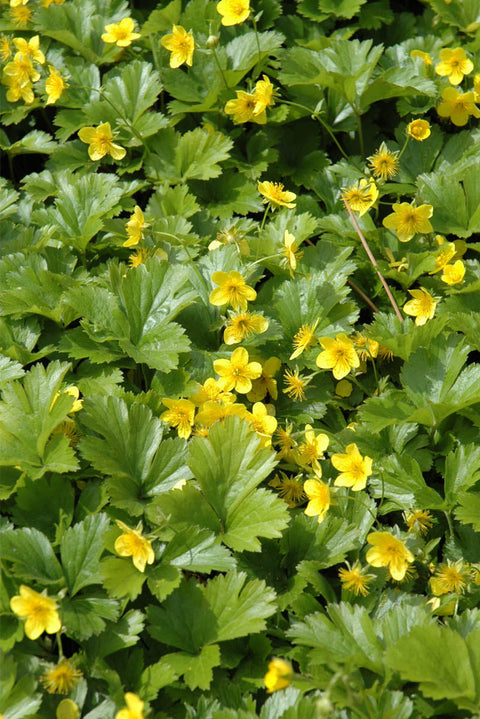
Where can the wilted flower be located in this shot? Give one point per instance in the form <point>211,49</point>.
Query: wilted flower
<point>290,489</point>
<point>419,520</point>
<point>361,196</point>
<point>384,163</point>
<point>62,678</point>
<point>355,579</point>
<point>295,385</point>
<point>450,577</point>
<point>181,44</point>
<point>303,339</point>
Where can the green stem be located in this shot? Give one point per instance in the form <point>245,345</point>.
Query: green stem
<point>220,68</point>
<point>449,522</point>
<point>360,133</point>
<point>403,148</point>
<point>257,39</point>
<point>359,384</point>
<point>375,372</point>
<point>359,501</point>
<point>263,221</point>
<point>59,645</point>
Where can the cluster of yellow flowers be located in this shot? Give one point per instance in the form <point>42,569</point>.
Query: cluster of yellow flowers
<point>23,71</point>
<point>252,106</point>
<point>21,12</point>
<point>456,105</point>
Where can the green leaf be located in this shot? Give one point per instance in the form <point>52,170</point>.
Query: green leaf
<point>462,471</point>
<point>80,551</point>
<point>240,608</point>
<point>121,578</point>
<point>463,15</point>
<point>32,556</point>
<point>9,370</point>
<point>81,207</point>
<point>401,481</point>
<point>326,544</point>
<point>84,616</point>
<point>323,9</point>
<point>438,658</point>
<point>196,669</point>
<point>30,410</point>
<point>346,636</point>
<point>75,25</point>
<point>35,141</point>
<point>242,53</point>
<point>44,504</point>
<point>468,509</point>
<point>403,338</point>
<point>229,466</point>
<point>124,633</point>
<point>8,197</point>
<point>155,677</point>
<point>185,620</point>
<point>197,550</point>
<point>163,579</point>
<point>161,20</point>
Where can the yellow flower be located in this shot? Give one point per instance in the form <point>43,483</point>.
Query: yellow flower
<point>212,412</point>
<point>339,355</point>
<point>423,55</point>
<point>180,414</point>
<point>365,347</point>
<point>295,385</point>
<point>263,95</point>
<point>266,382</point>
<point>407,220</point>
<point>100,142</point>
<point>355,579</point>
<point>361,196</point>
<point>16,92</point>
<point>384,163</point>
<point>450,577</point>
<point>290,489</point>
<point>303,339</point>
<point>20,15</point>
<point>286,442</point>
<point>134,227</point>
<point>243,325</point>
<point>292,255</point>
<point>181,44</point>
<point>74,392</point>
<point>16,3</point>
<point>312,449</point>
<point>67,709</point>
<point>61,679</point>
<point>5,49</point>
<point>319,499</point>
<point>120,33</point>
<point>274,193</point>
<point>279,675</point>
<point>242,108</point>
<point>30,48</point>
<point>209,391</point>
<point>453,274</point>
<point>54,85</point>
<point>388,551</point>
<point>419,130</point>
<point>237,372</point>
<point>131,543</point>
<point>443,256</point>
<point>422,307</point>
<point>40,611</point>
<point>476,86</point>
<point>454,64</point>
<point>20,71</point>
<point>232,290</point>
<point>134,708</point>
<point>233,12</point>
<point>263,423</point>
<point>458,106</point>
<point>353,467</point>
<point>418,520</point>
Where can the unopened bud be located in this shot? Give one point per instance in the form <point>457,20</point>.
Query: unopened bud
<point>212,41</point>
<point>324,707</point>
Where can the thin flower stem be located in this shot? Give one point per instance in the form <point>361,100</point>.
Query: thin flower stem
<point>449,522</point>
<point>360,133</point>
<point>375,373</point>
<point>220,68</point>
<point>360,385</point>
<point>373,261</point>
<point>257,38</point>
<point>363,295</point>
<point>263,221</point>
<point>59,645</point>
<point>317,116</point>
<point>404,147</point>
<point>359,501</point>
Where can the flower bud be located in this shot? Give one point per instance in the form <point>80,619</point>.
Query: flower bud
<point>212,41</point>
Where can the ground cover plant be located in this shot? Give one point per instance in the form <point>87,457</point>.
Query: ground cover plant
<point>239,359</point>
